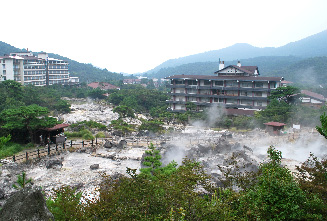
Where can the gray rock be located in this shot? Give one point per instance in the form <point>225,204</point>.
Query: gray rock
<point>53,163</point>
<point>26,204</point>
<point>2,194</point>
<point>94,166</point>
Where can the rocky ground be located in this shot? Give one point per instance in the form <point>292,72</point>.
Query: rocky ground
<point>83,169</point>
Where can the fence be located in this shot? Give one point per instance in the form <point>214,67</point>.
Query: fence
<point>52,149</point>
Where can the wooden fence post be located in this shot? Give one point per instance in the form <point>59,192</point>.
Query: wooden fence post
<point>71,143</point>
<point>14,158</point>
<point>92,143</point>
<point>83,143</point>
<point>63,145</point>
<point>38,152</point>
<point>26,156</point>
<point>48,149</point>
<point>56,147</point>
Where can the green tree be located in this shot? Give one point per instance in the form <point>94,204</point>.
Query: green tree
<point>323,129</point>
<point>26,118</point>
<point>66,204</point>
<point>124,111</point>
<point>288,94</point>
<point>278,111</point>
<point>276,195</point>
<point>152,125</point>
<point>22,181</point>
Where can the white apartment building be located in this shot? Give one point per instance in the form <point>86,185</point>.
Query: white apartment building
<point>38,70</point>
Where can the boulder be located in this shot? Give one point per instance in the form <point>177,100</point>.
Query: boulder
<point>26,204</point>
<point>53,163</point>
<point>94,166</point>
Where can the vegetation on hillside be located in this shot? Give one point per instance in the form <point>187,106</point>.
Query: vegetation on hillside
<point>186,192</point>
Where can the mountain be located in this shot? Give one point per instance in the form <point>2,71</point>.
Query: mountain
<point>312,46</point>
<point>86,72</point>
<point>304,71</point>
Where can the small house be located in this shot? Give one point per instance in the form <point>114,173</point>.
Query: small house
<point>274,128</point>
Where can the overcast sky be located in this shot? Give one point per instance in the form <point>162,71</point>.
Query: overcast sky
<point>133,36</point>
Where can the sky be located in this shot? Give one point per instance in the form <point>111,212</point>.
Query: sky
<point>134,36</point>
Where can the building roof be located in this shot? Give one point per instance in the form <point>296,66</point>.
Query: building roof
<point>132,81</point>
<point>57,127</point>
<point>275,124</point>
<point>102,85</point>
<point>247,69</point>
<point>313,95</point>
<point>212,77</point>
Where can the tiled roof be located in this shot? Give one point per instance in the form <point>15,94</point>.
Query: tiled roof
<point>102,85</point>
<point>211,77</point>
<point>313,95</point>
<point>275,124</point>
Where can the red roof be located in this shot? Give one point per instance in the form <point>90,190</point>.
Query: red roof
<point>275,124</point>
<point>57,127</point>
<point>313,95</point>
<point>102,85</point>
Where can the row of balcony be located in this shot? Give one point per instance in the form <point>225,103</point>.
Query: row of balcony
<point>222,96</point>
<point>225,105</point>
<point>221,88</point>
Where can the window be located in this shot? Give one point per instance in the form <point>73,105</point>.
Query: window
<point>231,101</point>
<point>219,83</point>
<point>218,100</point>
<point>245,93</point>
<point>192,82</point>
<point>273,84</point>
<point>179,82</point>
<point>246,102</point>
<point>258,94</point>
<point>258,84</point>
<point>207,82</point>
<point>231,84</point>
<point>247,84</point>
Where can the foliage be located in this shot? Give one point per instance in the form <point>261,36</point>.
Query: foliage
<point>87,125</point>
<point>278,111</point>
<point>85,134</point>
<point>276,194</point>
<point>153,164</point>
<point>154,126</point>
<point>288,94</point>
<point>26,118</point>
<point>4,141</point>
<point>124,111</point>
<point>122,126</point>
<point>140,198</point>
<point>323,129</point>
<point>312,177</point>
<point>12,148</point>
<point>66,204</point>
<point>22,181</point>
<point>138,98</point>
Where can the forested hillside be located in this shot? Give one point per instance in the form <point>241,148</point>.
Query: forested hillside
<point>86,72</point>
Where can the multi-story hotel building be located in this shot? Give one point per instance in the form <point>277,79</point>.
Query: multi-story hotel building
<point>234,86</point>
<point>38,70</point>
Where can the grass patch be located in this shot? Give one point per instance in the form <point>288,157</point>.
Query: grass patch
<point>12,148</point>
